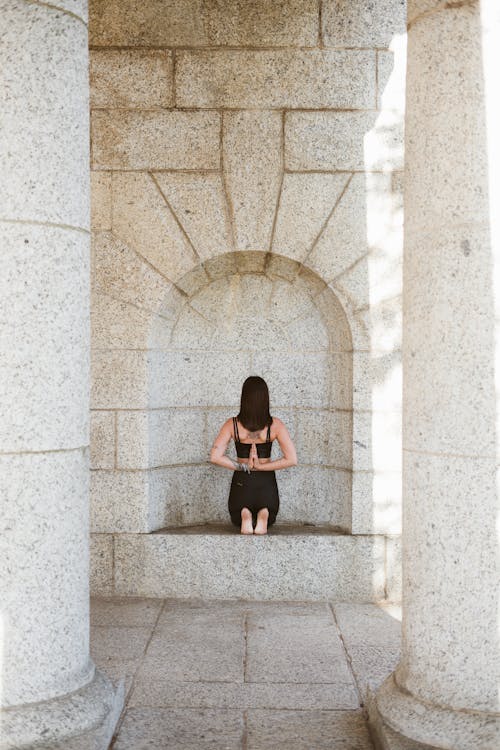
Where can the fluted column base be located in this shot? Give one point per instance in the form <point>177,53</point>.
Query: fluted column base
<point>82,720</point>
<point>401,721</point>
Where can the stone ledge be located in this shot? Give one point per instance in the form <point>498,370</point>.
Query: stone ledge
<point>217,563</point>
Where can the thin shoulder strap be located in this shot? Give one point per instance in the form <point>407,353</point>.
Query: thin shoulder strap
<point>236,434</point>
<point>268,433</point>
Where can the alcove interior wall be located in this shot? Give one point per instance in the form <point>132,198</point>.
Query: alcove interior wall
<point>277,320</point>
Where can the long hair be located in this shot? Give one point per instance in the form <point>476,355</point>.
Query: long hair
<point>254,407</point>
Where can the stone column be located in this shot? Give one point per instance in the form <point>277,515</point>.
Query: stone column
<point>445,692</point>
<point>50,692</point>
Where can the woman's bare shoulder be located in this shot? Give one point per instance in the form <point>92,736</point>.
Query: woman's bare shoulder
<point>278,424</point>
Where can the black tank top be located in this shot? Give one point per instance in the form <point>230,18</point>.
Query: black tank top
<point>243,449</point>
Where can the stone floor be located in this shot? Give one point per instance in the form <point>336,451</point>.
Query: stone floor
<point>246,675</point>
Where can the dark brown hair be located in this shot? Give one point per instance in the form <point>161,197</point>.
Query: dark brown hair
<point>254,407</point>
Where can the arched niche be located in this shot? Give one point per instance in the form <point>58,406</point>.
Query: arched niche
<point>249,313</point>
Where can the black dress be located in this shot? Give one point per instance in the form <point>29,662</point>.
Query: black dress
<point>254,490</point>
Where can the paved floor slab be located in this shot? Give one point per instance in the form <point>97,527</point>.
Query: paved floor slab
<point>240,674</point>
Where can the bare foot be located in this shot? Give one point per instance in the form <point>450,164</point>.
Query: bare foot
<point>246,522</point>
<point>262,517</point>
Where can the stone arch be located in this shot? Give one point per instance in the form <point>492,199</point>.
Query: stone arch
<point>261,315</point>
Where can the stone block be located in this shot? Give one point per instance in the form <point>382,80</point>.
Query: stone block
<point>276,79</point>
<point>102,439</point>
<point>324,437</point>
<point>323,730</point>
<point>192,331</point>
<point>154,140</point>
<point>45,338</point>
<point>417,8</point>
<point>119,501</point>
<point>327,141</point>
<point>119,379</point>
<point>189,495</point>
<point>194,379</point>
<point>282,267</point>
<point>221,265</point>
<point>116,611</point>
<point>144,221</point>
<point>290,301</point>
<point>243,695</point>
<point>252,166</point>
<point>305,204</point>
<point>279,651</point>
<point>332,308</point>
<point>159,437</point>
<point>200,205</point>
<point>192,281</point>
<point>344,239</point>
<point>158,728</point>
<point>315,495</point>
<point>368,624</point>
<point>217,301</point>
<point>122,274</point>
<point>307,334</point>
<point>312,379</point>
<point>45,118</point>
<point>132,79</point>
<point>153,23</point>
<point>119,325</point>
<point>182,565</point>
<point>359,24</point>
<point>100,201</point>
<point>101,564</point>
<point>203,647</point>
<point>251,262</point>
<point>194,23</point>
<point>373,664</point>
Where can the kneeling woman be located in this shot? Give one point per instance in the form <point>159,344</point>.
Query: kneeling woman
<point>253,500</point>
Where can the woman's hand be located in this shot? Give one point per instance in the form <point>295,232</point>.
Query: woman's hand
<point>253,460</point>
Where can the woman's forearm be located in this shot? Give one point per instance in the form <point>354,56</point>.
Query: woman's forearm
<point>226,462</point>
<point>279,463</point>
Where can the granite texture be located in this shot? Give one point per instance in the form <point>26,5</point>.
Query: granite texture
<point>355,23</point>
<point>101,564</point>
<point>131,79</point>
<point>276,79</point>
<point>154,139</point>
<point>45,316</point>
<point>143,220</point>
<point>45,116</point>
<point>204,22</point>
<point>181,565</point>
<point>119,501</point>
<point>102,439</point>
<point>251,158</point>
<point>305,204</point>
<point>122,274</point>
<point>199,203</point>
<point>327,141</point>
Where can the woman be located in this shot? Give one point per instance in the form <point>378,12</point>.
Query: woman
<point>253,499</point>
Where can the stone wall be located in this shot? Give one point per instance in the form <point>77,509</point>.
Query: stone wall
<point>246,217</point>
